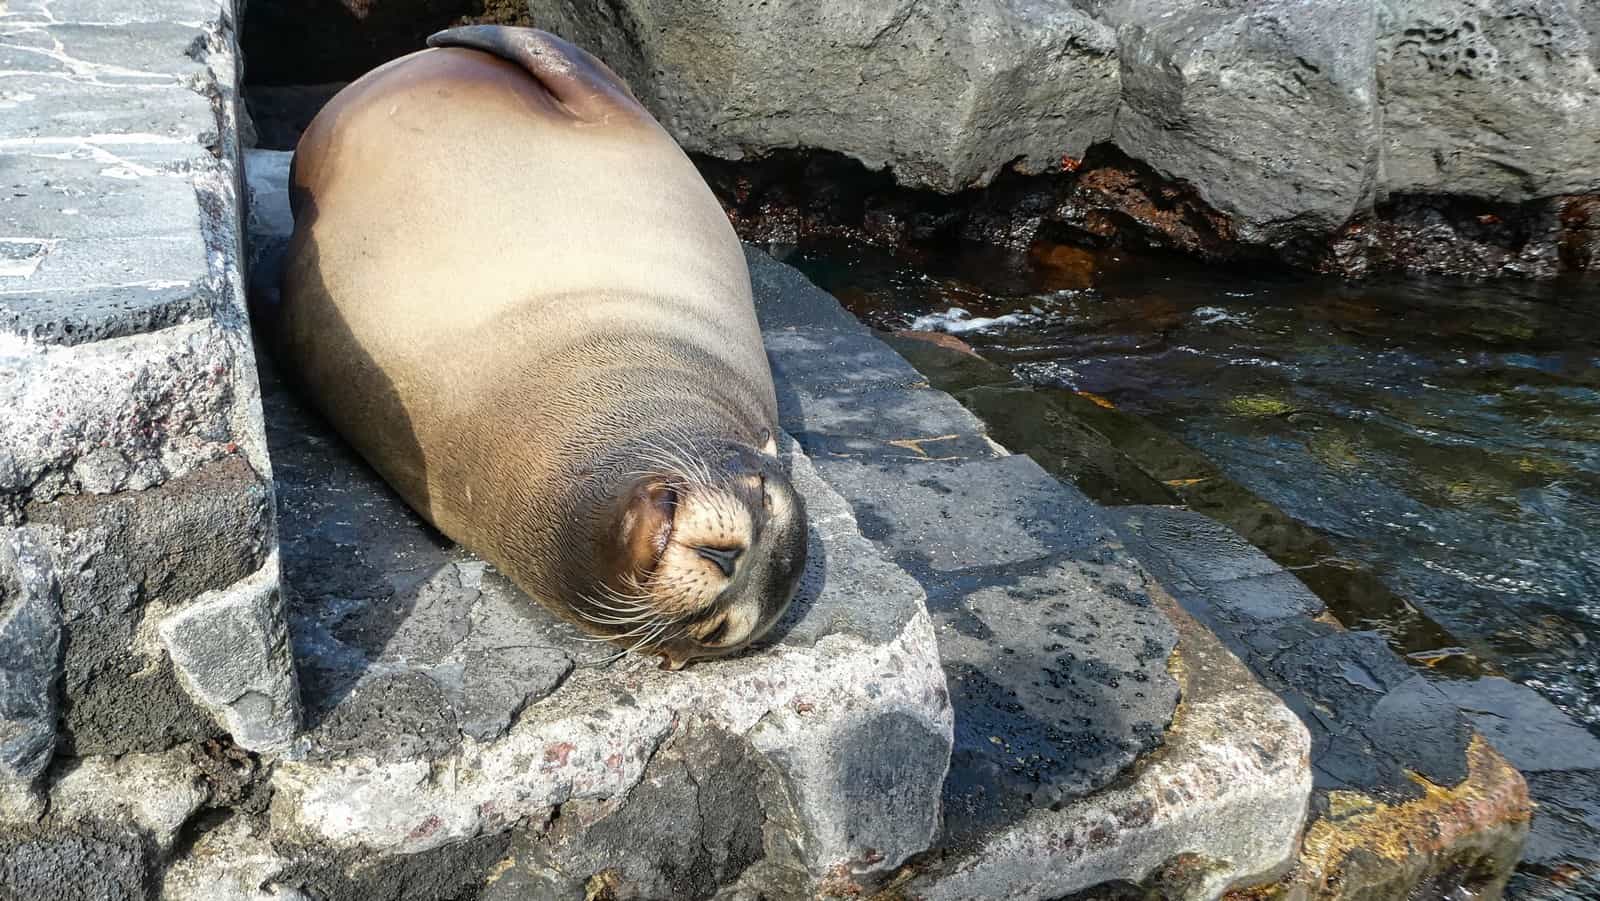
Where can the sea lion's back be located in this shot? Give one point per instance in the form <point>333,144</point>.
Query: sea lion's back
<point>463,220</point>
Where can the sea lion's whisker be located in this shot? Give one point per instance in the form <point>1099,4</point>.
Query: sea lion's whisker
<point>695,462</point>
<point>644,629</point>
<point>605,660</point>
<point>620,607</point>
<point>613,616</point>
<point>651,639</point>
<point>592,639</point>
<point>606,620</point>
<point>695,472</point>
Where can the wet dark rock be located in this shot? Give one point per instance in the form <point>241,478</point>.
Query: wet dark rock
<point>1535,735</point>
<point>1561,761</point>
<point>1373,719</point>
<point>1459,236</point>
<point>1111,200</point>
<point>1393,753</point>
<point>1580,233</point>
<point>1562,843</point>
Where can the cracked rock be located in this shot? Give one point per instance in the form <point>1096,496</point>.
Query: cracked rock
<point>30,645</point>
<point>231,648</point>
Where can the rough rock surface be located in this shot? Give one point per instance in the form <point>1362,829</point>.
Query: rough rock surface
<point>1491,98</point>
<point>30,645</point>
<point>1407,794</point>
<point>1072,767</point>
<point>945,94</point>
<point>1270,109</point>
<point>821,754</point>
<point>1306,129</point>
<point>1349,137</point>
<point>133,470</point>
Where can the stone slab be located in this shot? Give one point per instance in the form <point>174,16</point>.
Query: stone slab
<point>1058,649</point>
<point>785,298</point>
<point>417,658</point>
<point>1561,762</point>
<point>230,648</point>
<point>1219,806</point>
<point>1407,793</point>
<point>946,520</point>
<point>817,363</point>
<point>108,12</point>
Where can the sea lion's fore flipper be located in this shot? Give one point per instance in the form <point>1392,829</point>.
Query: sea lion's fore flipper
<point>582,83</point>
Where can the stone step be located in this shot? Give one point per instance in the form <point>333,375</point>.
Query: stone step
<point>1256,605</point>
<point>455,727</point>
<point>1407,792</point>
<point>450,716</point>
<point>1074,764</point>
<point>136,505</point>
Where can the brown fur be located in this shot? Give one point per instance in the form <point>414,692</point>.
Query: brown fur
<point>512,293</point>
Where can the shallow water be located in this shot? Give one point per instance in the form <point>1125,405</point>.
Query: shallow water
<point>1444,436</point>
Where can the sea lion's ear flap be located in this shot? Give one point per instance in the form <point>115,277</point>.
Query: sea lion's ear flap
<point>582,83</point>
<point>645,527</point>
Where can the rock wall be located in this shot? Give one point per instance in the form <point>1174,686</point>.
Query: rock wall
<point>139,603</point>
<point>1304,128</point>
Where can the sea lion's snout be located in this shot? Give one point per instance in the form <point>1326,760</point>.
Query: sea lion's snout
<point>715,552</point>
<point>762,577</point>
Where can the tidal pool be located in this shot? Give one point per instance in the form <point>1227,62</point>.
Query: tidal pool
<point>1444,437</point>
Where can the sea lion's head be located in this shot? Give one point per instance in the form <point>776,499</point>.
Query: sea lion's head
<point>706,549</point>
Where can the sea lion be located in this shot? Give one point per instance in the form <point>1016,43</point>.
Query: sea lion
<point>511,292</point>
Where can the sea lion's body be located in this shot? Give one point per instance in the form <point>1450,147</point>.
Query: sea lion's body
<point>508,286</point>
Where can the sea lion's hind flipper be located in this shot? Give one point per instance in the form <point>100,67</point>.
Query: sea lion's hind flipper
<point>582,83</point>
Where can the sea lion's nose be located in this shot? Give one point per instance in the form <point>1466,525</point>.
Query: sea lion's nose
<point>723,557</point>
